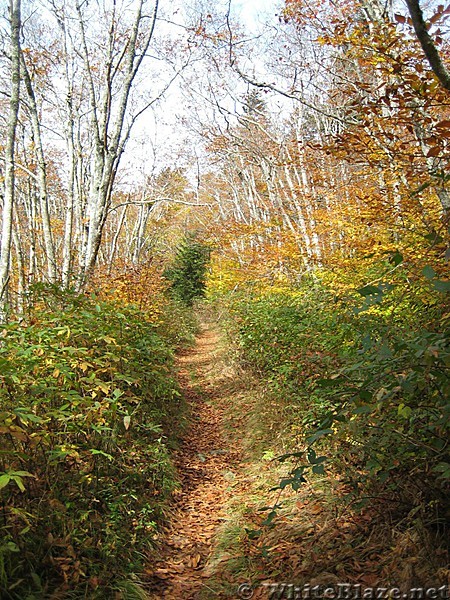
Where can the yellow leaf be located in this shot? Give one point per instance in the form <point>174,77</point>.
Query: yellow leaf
<point>104,387</point>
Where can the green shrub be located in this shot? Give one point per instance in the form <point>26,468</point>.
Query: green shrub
<point>178,325</point>
<point>187,273</point>
<point>289,340</point>
<point>394,418</point>
<point>365,387</point>
<point>88,404</point>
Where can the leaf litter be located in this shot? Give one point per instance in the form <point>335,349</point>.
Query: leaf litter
<point>216,539</point>
<point>204,463</point>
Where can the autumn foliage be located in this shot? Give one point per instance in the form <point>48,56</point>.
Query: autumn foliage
<point>310,211</point>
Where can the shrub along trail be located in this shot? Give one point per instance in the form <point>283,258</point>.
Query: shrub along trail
<point>219,536</point>
<point>208,462</point>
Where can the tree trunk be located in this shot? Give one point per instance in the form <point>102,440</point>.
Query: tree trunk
<point>41,178</point>
<point>108,126</point>
<point>427,43</point>
<point>8,198</point>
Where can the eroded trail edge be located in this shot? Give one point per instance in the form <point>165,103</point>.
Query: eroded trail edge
<point>208,463</point>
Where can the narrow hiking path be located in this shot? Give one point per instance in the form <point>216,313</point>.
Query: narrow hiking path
<point>208,463</point>
<point>217,539</point>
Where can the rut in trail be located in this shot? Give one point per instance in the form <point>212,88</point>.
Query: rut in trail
<point>208,465</point>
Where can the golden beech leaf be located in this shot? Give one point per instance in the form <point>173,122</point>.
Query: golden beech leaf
<point>104,387</point>
<point>443,125</point>
<point>434,151</point>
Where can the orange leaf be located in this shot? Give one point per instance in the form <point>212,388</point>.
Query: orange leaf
<point>434,151</point>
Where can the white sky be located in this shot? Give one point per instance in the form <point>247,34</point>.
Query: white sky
<point>252,11</point>
<point>164,133</point>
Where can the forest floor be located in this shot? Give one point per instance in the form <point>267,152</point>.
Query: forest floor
<point>209,465</point>
<point>217,541</point>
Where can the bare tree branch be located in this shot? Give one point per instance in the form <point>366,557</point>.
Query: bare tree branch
<point>301,99</point>
<point>427,43</point>
<point>155,201</point>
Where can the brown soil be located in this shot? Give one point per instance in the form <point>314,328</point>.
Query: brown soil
<point>207,462</point>
<point>317,540</point>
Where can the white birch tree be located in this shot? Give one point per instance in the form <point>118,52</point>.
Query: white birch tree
<point>8,193</point>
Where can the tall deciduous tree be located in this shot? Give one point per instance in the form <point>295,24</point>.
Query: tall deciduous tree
<point>125,52</point>
<point>8,194</point>
<point>41,175</point>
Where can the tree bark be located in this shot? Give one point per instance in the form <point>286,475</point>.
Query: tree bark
<point>41,177</point>
<point>8,198</point>
<point>110,133</point>
<point>427,43</point>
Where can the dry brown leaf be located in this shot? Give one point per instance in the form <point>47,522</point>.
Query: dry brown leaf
<point>162,573</point>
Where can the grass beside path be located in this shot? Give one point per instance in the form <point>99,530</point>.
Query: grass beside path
<point>217,539</point>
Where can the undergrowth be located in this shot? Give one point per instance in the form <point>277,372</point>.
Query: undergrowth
<point>89,410</point>
<point>355,405</point>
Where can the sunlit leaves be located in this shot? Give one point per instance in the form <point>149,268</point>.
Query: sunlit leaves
<point>86,396</point>
<point>14,477</point>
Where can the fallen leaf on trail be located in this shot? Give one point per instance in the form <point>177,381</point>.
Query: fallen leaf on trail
<point>193,561</point>
<point>177,568</point>
<point>203,464</point>
<point>371,579</point>
<point>162,573</point>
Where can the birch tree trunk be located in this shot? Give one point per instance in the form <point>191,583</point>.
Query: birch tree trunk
<point>108,125</point>
<point>113,249</point>
<point>21,281</point>
<point>41,177</point>
<point>8,197</point>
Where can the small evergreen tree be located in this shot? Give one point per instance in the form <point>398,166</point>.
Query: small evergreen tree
<point>187,273</point>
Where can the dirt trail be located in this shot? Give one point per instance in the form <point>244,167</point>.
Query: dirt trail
<point>314,541</point>
<point>207,462</point>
